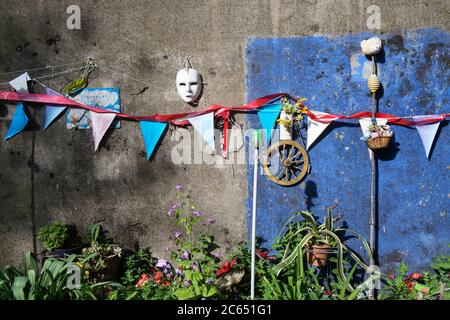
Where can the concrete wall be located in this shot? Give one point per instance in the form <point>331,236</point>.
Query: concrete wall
<point>61,177</point>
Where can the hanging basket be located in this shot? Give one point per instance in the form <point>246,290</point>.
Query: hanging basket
<point>379,142</point>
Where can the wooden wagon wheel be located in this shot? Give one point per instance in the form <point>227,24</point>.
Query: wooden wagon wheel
<point>286,162</point>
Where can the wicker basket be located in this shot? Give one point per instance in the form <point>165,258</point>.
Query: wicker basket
<point>379,142</point>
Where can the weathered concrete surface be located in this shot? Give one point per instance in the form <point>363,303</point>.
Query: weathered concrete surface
<point>147,40</point>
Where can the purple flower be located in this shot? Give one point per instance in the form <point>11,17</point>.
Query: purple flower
<point>194,266</point>
<point>179,273</point>
<point>176,206</point>
<point>208,281</point>
<point>216,254</point>
<point>185,255</point>
<point>170,212</point>
<point>187,283</point>
<point>179,187</point>
<point>197,213</point>
<point>211,220</point>
<point>176,234</point>
<point>163,264</point>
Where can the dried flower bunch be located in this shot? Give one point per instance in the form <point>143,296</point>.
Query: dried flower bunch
<point>297,110</point>
<point>376,131</point>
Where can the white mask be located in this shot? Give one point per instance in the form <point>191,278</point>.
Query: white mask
<point>189,84</point>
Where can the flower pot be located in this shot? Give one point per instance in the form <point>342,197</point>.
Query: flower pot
<point>112,269</point>
<point>285,133</point>
<point>317,254</point>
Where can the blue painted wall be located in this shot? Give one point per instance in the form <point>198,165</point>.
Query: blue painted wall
<point>414,193</point>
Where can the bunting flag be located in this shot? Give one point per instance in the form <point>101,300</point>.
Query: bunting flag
<point>100,124</point>
<point>365,123</point>
<point>52,112</point>
<point>20,119</point>
<point>18,123</point>
<point>427,133</point>
<point>268,116</point>
<point>20,83</point>
<point>203,120</point>
<point>315,128</point>
<point>204,125</point>
<point>151,133</point>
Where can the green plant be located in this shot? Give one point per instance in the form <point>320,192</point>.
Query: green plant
<point>52,282</point>
<point>135,265</point>
<point>419,286</point>
<point>57,235</point>
<point>102,258</point>
<point>441,265</point>
<point>310,232</point>
<point>192,256</point>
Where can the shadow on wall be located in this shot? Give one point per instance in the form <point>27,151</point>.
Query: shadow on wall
<point>311,194</point>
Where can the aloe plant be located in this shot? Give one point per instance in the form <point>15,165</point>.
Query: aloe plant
<point>312,232</point>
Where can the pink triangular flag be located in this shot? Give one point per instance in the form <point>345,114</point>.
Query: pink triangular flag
<point>100,123</point>
<point>427,132</point>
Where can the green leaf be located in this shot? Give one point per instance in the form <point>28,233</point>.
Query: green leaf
<point>18,287</point>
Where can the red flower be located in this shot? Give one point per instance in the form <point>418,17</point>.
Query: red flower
<point>410,284</point>
<point>416,276</point>
<point>158,275</point>
<point>142,280</point>
<point>225,268</point>
<point>264,255</point>
<point>328,293</point>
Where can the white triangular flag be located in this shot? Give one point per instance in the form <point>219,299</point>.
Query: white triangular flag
<point>315,128</point>
<point>427,132</point>
<point>204,125</point>
<point>20,83</point>
<point>20,118</point>
<point>365,123</point>
<point>100,124</point>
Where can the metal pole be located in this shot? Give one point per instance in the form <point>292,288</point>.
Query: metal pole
<point>372,221</point>
<point>255,185</point>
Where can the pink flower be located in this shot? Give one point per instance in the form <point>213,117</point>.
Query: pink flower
<point>179,187</point>
<point>176,234</point>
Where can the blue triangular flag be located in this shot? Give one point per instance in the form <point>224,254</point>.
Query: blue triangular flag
<point>18,123</point>
<point>268,116</point>
<point>151,132</point>
<point>51,112</point>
